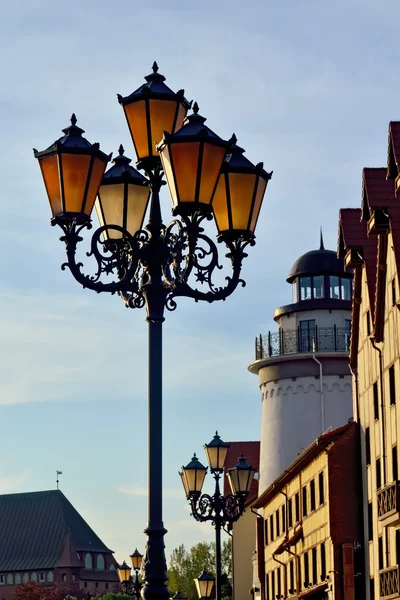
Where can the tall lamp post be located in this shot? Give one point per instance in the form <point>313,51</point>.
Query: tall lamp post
<point>208,178</point>
<point>130,586</point>
<point>217,508</point>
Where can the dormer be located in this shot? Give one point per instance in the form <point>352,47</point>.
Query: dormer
<point>377,198</point>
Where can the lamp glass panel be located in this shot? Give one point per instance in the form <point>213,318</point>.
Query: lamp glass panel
<point>51,177</point>
<point>136,116</point>
<point>220,206</point>
<point>124,572</point>
<point>169,174</point>
<point>136,560</point>
<point>182,112</point>
<point>75,169</point>
<point>233,480</point>
<point>245,477</point>
<point>162,115</point>
<point>110,207</point>
<point>99,166</point>
<point>194,479</point>
<point>184,483</point>
<point>216,456</point>
<point>138,196</point>
<point>261,186</point>
<point>241,186</point>
<point>213,157</point>
<point>204,587</point>
<point>185,157</point>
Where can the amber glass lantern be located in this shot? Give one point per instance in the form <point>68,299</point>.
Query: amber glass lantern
<point>136,559</point>
<point>240,477</point>
<point>124,572</point>
<point>72,169</point>
<point>193,476</point>
<point>192,159</point>
<point>204,584</point>
<point>239,195</point>
<point>123,197</point>
<point>216,452</point>
<point>150,110</point>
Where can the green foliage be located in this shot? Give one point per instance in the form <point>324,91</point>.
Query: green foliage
<point>112,596</point>
<point>186,565</point>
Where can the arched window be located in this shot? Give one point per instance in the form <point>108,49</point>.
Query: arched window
<point>17,579</point>
<point>64,577</point>
<point>50,577</point>
<point>10,579</point>
<point>25,578</point>
<point>33,576</point>
<point>112,567</point>
<point>100,562</point>
<point>88,561</point>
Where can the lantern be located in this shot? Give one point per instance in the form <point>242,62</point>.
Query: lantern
<point>204,584</point>
<point>216,452</point>
<point>124,572</point>
<point>241,476</point>
<point>193,476</point>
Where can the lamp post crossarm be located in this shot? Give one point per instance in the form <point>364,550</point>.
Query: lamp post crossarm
<point>218,509</point>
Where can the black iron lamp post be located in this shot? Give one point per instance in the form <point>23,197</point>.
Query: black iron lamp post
<point>204,584</point>
<point>217,508</point>
<point>130,586</point>
<point>151,266</point>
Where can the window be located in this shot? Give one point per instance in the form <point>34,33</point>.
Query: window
<point>64,577</point>
<point>278,530</point>
<point>100,562</point>
<point>306,570</point>
<point>112,567</point>
<point>318,286</point>
<point>392,386</point>
<point>334,289</point>
<point>25,578</point>
<point>290,513</point>
<point>267,586</point>
<point>295,297</point>
<point>305,288</point>
<point>380,552</point>
<point>394,464</point>
<point>96,584</point>
<point>85,584</point>
<point>378,473</point>
<point>291,577</point>
<point>376,401</point>
<point>307,336</point>
<point>10,579</point>
<point>321,488</point>
<point>273,585</point>
<point>367,446</point>
<point>271,528</point>
<point>2,579</point>
<point>33,576</point>
<point>50,577</point>
<point>345,288</point>
<point>397,546</point>
<point>371,589</point>
<point>323,562</point>
<point>297,507</point>
<point>393,292</point>
<point>312,495</point>
<point>17,579</point>
<point>304,492</point>
<point>370,523</point>
<point>266,532</point>
<point>88,561</point>
<point>283,511</point>
<point>368,318</point>
<point>279,590</point>
<point>42,577</point>
<point>314,566</point>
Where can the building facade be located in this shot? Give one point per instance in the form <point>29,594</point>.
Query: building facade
<point>310,533</point>
<point>369,242</point>
<point>303,370</point>
<point>44,539</point>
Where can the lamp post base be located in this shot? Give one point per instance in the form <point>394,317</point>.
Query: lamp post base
<point>154,565</point>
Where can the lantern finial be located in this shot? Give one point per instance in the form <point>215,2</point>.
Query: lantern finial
<point>195,108</point>
<point>121,150</point>
<point>155,67</point>
<point>73,119</point>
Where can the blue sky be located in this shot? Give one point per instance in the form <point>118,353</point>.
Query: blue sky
<point>308,86</point>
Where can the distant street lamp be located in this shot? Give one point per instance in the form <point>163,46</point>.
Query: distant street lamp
<point>209,179</point>
<point>204,584</point>
<point>217,508</point>
<point>130,586</point>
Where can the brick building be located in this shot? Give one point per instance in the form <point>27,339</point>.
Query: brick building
<point>310,531</point>
<point>44,539</point>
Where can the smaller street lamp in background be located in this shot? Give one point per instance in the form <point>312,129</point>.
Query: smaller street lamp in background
<point>217,508</point>
<point>129,586</point>
<point>179,596</point>
<point>204,584</point>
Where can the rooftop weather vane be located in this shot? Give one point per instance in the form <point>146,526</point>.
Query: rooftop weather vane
<point>57,480</point>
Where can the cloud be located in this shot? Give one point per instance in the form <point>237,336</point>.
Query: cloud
<point>12,481</point>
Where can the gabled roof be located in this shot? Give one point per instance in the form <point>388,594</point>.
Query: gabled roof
<point>393,158</point>
<point>37,528</point>
<point>377,191</point>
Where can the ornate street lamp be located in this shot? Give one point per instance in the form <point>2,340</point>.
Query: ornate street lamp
<point>153,265</point>
<point>130,586</point>
<point>217,508</point>
<point>204,585</point>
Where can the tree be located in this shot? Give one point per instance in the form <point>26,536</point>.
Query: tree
<point>186,565</point>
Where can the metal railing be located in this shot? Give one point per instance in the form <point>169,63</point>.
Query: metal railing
<point>389,582</point>
<point>388,499</point>
<point>295,341</point>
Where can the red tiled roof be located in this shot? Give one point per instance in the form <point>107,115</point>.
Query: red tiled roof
<point>251,452</point>
<point>393,158</point>
<point>377,190</point>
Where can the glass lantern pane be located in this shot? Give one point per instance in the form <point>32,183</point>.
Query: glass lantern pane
<point>51,177</point>
<point>138,196</point>
<point>241,187</point>
<point>136,116</point>
<point>169,175</point>
<point>233,481</point>
<point>99,166</point>
<point>75,170</point>
<point>162,115</point>
<point>216,456</point>
<point>213,157</point>
<point>220,207</point>
<point>110,208</point>
<point>182,112</point>
<point>185,158</point>
<point>262,184</point>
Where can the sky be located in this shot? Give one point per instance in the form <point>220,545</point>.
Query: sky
<point>308,87</point>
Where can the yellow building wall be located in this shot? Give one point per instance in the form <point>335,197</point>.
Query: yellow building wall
<point>243,546</point>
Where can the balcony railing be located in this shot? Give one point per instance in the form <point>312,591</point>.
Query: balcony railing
<point>295,341</point>
<point>389,583</point>
<point>388,500</point>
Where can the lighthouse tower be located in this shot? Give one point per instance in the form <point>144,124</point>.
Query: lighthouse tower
<point>302,367</point>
